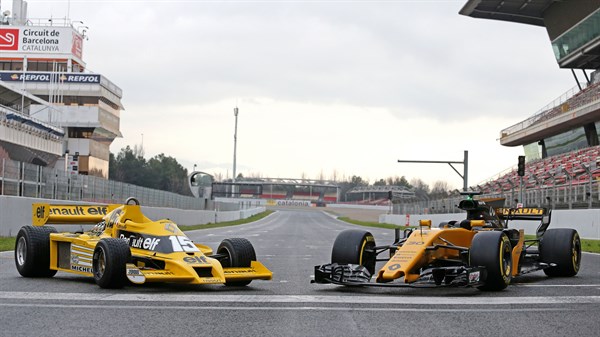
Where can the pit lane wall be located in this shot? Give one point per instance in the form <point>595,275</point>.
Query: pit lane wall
<point>585,221</point>
<point>15,212</point>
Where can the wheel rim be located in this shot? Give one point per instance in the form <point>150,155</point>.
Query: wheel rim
<point>100,263</point>
<point>21,251</point>
<point>505,260</point>
<point>229,261</point>
<point>576,252</point>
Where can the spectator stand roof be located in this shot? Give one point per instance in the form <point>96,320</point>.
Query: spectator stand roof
<point>571,25</point>
<point>520,11</point>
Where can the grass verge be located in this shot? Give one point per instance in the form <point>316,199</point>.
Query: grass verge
<point>587,245</point>
<point>591,246</point>
<point>253,218</point>
<point>8,243</point>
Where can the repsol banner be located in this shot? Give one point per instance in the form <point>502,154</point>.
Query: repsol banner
<point>11,76</point>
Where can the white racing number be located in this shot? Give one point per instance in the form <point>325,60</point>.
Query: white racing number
<point>182,244</point>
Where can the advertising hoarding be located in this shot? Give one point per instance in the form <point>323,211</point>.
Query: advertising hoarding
<point>41,40</point>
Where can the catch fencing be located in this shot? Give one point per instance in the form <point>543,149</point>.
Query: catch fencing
<point>567,196</point>
<point>29,180</point>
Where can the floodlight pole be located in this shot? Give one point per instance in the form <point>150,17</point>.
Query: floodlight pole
<point>465,162</point>
<point>235,113</point>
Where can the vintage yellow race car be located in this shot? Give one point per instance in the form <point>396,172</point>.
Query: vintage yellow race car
<point>480,251</point>
<point>125,246</point>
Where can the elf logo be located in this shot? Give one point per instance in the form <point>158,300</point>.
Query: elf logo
<point>9,38</point>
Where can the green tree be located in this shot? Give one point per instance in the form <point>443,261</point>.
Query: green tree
<point>160,172</point>
<point>165,173</point>
<point>128,167</point>
<point>380,182</point>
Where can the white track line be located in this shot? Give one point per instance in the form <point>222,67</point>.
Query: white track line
<point>296,299</point>
<point>254,308</point>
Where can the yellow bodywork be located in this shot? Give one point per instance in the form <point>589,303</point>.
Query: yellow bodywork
<point>151,243</point>
<point>412,255</point>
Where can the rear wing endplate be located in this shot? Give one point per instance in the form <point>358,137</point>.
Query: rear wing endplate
<point>527,213</point>
<point>69,214</point>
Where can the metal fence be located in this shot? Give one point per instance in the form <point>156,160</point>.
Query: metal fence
<point>29,180</point>
<point>568,196</point>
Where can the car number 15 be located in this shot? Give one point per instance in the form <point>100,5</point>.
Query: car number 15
<point>182,244</point>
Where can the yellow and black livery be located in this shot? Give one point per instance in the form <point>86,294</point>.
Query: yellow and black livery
<point>480,251</point>
<point>125,246</point>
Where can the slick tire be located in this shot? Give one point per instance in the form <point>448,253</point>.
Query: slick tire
<point>240,253</point>
<point>32,251</point>
<point>354,246</point>
<point>108,264</point>
<point>561,246</point>
<point>493,251</point>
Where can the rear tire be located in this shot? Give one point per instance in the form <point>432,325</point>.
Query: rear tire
<point>240,253</point>
<point>561,246</point>
<point>109,263</point>
<point>354,246</point>
<point>492,250</point>
<point>32,251</point>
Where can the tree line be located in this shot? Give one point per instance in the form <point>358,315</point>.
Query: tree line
<point>160,172</point>
<point>165,173</point>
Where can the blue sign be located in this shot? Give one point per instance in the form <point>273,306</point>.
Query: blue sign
<point>49,77</point>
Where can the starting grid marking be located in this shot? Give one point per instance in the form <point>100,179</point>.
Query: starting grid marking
<point>271,308</point>
<point>297,299</point>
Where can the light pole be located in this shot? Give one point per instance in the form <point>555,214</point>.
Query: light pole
<point>235,113</point>
<point>465,163</point>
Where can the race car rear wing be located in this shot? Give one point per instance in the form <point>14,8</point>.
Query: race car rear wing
<point>69,214</point>
<point>527,213</point>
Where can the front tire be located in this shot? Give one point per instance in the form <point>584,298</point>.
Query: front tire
<point>240,253</point>
<point>492,250</point>
<point>32,251</point>
<point>561,246</point>
<point>108,264</point>
<point>354,246</point>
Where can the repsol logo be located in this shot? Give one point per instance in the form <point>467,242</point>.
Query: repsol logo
<point>83,78</point>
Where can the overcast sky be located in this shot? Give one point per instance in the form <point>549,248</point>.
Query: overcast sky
<point>322,86</point>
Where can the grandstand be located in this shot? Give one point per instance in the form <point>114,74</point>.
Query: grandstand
<point>22,137</point>
<point>315,191</point>
<point>561,142</point>
<point>378,194</point>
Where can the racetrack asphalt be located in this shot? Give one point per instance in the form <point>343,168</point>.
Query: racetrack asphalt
<point>291,243</point>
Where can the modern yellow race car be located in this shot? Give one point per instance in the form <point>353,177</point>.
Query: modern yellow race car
<point>125,246</point>
<point>480,251</point>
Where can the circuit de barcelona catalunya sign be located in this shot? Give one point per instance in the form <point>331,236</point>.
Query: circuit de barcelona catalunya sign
<point>44,40</point>
<point>9,76</point>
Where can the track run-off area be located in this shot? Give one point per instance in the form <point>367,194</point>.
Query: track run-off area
<point>290,242</point>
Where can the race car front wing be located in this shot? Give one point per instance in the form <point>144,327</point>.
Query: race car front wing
<point>357,275</point>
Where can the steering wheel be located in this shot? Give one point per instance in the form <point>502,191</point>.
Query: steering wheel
<point>134,199</point>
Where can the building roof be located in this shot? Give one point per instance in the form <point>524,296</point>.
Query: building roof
<point>520,11</point>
